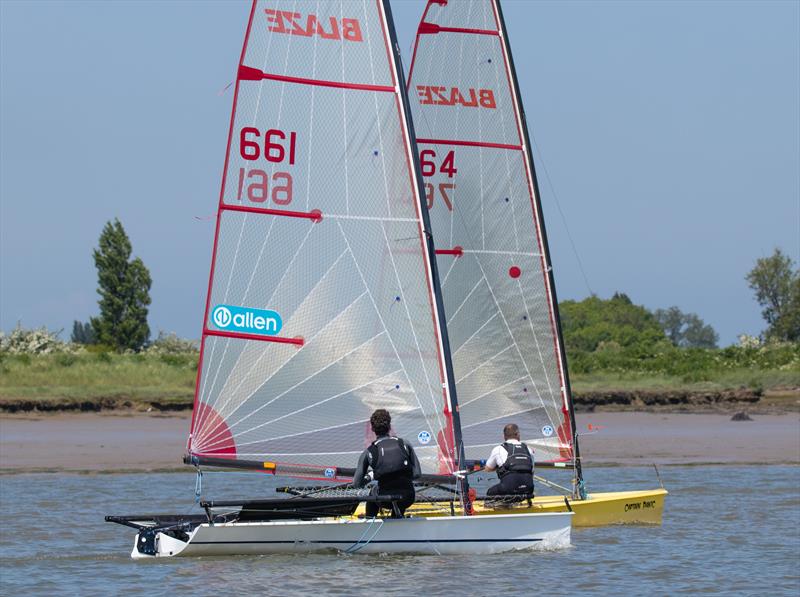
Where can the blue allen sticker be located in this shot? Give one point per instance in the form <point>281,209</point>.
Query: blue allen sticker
<point>246,320</point>
<point>424,437</point>
<point>330,473</point>
<point>547,431</point>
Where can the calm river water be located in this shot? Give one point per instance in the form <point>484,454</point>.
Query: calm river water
<point>727,529</point>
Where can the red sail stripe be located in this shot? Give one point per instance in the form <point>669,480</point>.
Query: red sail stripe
<point>433,29</point>
<point>257,337</point>
<point>470,143</point>
<point>314,214</point>
<point>247,73</point>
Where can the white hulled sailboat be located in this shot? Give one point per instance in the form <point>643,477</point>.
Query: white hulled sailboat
<point>324,304</point>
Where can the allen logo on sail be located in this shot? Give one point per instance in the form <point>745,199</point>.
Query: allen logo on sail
<point>246,320</point>
<point>450,96</point>
<point>294,23</point>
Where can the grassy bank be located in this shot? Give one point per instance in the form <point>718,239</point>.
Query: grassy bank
<point>763,380</point>
<point>168,379</point>
<point>93,376</point>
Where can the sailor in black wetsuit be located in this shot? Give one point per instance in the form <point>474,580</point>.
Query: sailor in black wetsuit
<point>393,464</point>
<point>513,462</point>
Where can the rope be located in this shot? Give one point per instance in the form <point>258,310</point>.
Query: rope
<point>358,545</point>
<point>552,485</point>
<point>198,486</point>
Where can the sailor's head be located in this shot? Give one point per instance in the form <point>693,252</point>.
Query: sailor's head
<point>381,422</point>
<point>510,431</point>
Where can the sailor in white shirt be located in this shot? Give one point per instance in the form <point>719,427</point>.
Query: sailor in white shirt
<point>513,462</point>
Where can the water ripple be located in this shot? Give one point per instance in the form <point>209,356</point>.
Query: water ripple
<point>726,529</point>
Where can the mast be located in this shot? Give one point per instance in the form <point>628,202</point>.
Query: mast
<point>452,398</point>
<point>568,405</point>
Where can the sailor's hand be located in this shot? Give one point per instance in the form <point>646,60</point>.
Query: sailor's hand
<point>369,477</point>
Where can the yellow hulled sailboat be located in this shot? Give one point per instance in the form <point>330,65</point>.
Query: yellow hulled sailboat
<point>496,274</point>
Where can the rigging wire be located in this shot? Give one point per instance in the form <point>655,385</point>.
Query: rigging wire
<point>538,149</point>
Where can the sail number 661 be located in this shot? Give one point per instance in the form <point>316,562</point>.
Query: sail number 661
<point>257,184</point>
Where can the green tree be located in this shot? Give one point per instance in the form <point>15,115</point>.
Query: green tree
<point>124,289</point>
<point>594,321</point>
<point>686,329</point>
<point>82,333</point>
<point>776,283</point>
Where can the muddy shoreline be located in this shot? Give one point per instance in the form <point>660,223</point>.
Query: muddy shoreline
<point>114,442</point>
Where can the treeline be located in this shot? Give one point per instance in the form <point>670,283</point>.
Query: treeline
<point>616,336</point>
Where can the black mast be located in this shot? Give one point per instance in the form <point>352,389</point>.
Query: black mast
<point>562,353</point>
<point>437,290</point>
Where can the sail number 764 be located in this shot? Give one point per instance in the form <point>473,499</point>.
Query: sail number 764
<point>447,166</point>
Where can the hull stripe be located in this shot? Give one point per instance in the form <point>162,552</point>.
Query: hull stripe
<point>373,541</point>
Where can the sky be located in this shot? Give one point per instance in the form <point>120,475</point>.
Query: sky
<point>667,145</point>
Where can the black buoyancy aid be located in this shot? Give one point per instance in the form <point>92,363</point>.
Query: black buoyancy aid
<point>519,460</point>
<point>390,457</point>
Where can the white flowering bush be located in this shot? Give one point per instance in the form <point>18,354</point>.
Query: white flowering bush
<point>746,341</point>
<point>170,343</point>
<point>34,341</point>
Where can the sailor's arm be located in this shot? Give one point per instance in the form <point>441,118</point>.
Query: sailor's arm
<point>492,463</point>
<point>416,468</point>
<point>361,470</point>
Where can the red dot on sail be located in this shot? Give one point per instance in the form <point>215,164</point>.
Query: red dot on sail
<point>514,272</point>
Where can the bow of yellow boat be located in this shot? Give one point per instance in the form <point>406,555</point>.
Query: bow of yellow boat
<point>599,509</point>
<point>618,507</point>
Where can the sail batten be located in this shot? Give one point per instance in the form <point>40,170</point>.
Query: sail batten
<point>498,295</point>
<point>321,305</point>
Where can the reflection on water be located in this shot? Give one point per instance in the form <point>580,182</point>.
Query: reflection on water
<point>726,529</point>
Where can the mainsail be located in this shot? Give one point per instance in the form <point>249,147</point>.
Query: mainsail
<point>322,294</point>
<point>486,218</point>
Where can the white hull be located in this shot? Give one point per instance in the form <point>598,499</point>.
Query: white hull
<point>436,535</point>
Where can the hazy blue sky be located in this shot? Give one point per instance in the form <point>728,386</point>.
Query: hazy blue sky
<point>670,132</point>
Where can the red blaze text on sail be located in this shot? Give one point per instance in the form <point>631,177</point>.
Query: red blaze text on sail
<point>451,96</point>
<point>295,23</point>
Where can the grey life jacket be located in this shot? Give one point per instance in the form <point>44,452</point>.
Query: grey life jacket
<point>519,460</point>
<point>389,457</point>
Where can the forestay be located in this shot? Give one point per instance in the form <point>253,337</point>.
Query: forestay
<point>486,221</point>
<point>320,303</point>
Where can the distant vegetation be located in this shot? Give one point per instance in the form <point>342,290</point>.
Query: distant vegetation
<point>596,324</point>
<point>615,343</point>
<point>35,364</point>
<point>686,330</point>
<point>82,333</point>
<point>610,343</point>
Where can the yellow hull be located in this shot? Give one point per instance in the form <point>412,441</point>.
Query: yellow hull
<point>600,509</point>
